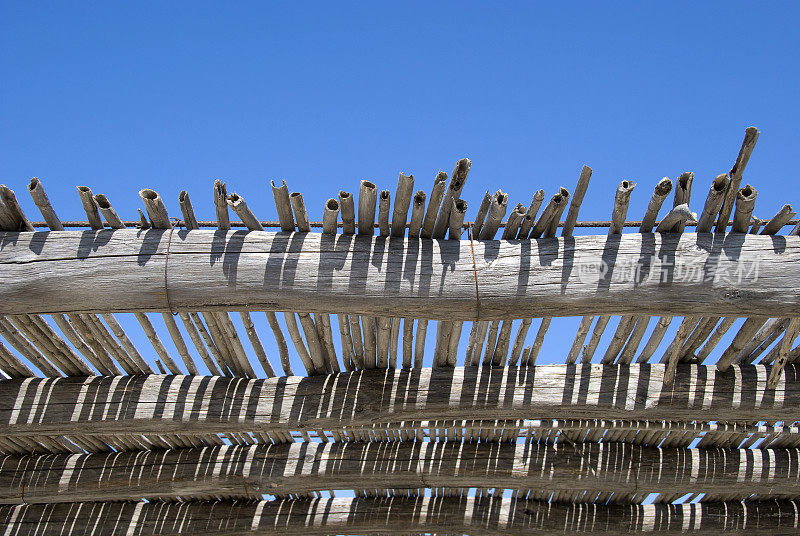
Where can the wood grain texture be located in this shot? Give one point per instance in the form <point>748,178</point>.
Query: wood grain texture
<point>123,270</point>
<point>250,471</point>
<point>210,404</point>
<point>462,515</point>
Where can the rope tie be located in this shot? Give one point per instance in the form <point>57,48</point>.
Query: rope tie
<point>475,274</point>
<point>174,224</point>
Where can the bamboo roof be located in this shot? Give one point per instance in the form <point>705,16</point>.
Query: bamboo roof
<point>205,429</point>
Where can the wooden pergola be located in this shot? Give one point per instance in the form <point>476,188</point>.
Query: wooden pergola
<point>223,437</point>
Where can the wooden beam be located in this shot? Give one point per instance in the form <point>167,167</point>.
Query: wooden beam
<point>301,468</point>
<point>641,274</point>
<point>212,404</point>
<point>485,515</point>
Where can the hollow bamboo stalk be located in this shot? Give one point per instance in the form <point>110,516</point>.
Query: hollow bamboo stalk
<point>629,351</point>
<point>661,191</point>
<point>655,339</point>
<point>189,219</point>
<point>370,350</point>
<point>624,328</point>
<point>683,190</point>
<point>777,222</point>
<point>180,344</point>
<point>143,223</point>
<point>25,329</point>
<point>358,343</point>
<point>714,200</point>
<point>480,339</point>
<point>457,180</point>
<point>280,341</point>
<point>417,214</point>
<point>675,219</point>
<point>491,343</point>
<point>443,329</point>
<point>577,199</point>
<point>71,359</point>
<point>688,324</point>
<point>194,335</point>
<point>393,341</point>
<point>419,342</point>
<point>746,332</point>
<point>348,212</point>
<point>384,205</point>
<point>408,342</point>
<point>755,225</point>
<point>736,173</point>
<point>223,330</point>
<point>454,340</point>
<point>695,322</point>
<point>89,206</point>
<point>42,202</point>
<point>330,217</point>
<point>367,198</point>
<point>218,350</point>
<point>384,328</point>
<point>103,362</point>
<point>12,366</point>
<point>771,326</point>
<point>104,337</point>
<point>255,342</point>
<point>698,337</point>
<point>457,213</point>
<point>497,210</point>
<point>785,346</point>
<point>313,341</point>
<point>221,205</point>
<point>158,346</point>
<point>156,210</point>
<point>283,206</point>
<point>75,339</point>
<point>26,349</point>
<point>514,221</point>
<point>126,343</point>
<point>519,341</point>
<point>745,202</point>
<point>594,341</point>
<point>402,200</point>
<point>554,206</point>
<point>480,217</point>
<point>503,341</point>
<point>300,214</point>
<point>530,215</point>
<point>297,339</point>
<point>348,357</point>
<point>537,343</point>
<point>108,212</point>
<point>580,336</point>
<point>237,203</point>
<point>437,192</point>
<point>621,200</point>
<point>323,321</point>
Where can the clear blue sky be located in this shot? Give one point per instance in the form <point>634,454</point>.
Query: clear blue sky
<point>174,95</point>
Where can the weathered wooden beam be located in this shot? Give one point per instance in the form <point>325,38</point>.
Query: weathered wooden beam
<point>302,468</point>
<point>201,404</point>
<point>114,270</point>
<point>398,515</point>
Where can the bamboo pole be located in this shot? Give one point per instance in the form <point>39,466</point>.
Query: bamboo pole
<point>530,215</point>
<point>238,353</point>
<point>519,341</point>
<point>503,341</point>
<point>89,206</point>
<point>126,343</point>
<point>745,202</point>
<point>417,214</point>
<point>280,341</point>
<point>42,202</point>
<point>660,192</point>
<point>497,209</point>
<point>746,332</point>
<point>26,349</point>
<point>219,351</point>
<point>688,324</point>
<point>348,357</point>
<point>189,219</point>
<point>367,198</point>
<point>714,200</point>
<point>476,352</point>
<point>736,173</point>
<point>629,351</point>
<point>580,336</point>
<point>158,346</point>
<point>283,206</point>
<point>323,324</point>
<point>621,200</point>
<point>594,341</point>
<point>683,194</point>
<point>780,219</point>
<point>236,202</point>
<point>455,338</point>
<point>255,342</point>
<point>358,344</point>
<point>537,343</point>
<point>143,223</point>
<point>554,206</point>
<point>300,214</point>
<point>330,217</point>
<point>439,184</point>
<point>655,339</point>
<point>577,199</point>
<point>483,209</point>
<point>623,331</point>
<point>221,205</point>
<point>384,205</point>
<point>456,224</point>
<point>194,335</point>
<point>785,345</point>
<point>156,210</point>
<point>676,219</point>
<point>419,342</point>
<point>313,340</point>
<point>491,344</point>
<point>443,330</point>
<point>457,180</point>
<point>408,342</point>
<point>368,324</point>
<point>180,344</point>
<point>755,225</point>
<point>393,341</point>
<point>108,212</point>
<point>402,200</point>
<point>297,339</point>
<point>514,221</point>
<point>348,212</point>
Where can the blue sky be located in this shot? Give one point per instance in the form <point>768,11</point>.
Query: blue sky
<point>174,95</point>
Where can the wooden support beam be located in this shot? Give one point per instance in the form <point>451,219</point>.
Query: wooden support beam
<point>113,270</point>
<point>200,404</point>
<point>398,515</point>
<point>302,468</point>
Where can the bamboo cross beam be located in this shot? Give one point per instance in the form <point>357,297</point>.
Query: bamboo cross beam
<point>123,270</point>
<point>398,515</point>
<point>157,404</point>
<point>293,468</point>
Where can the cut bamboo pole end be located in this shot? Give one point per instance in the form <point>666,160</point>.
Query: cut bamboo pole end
<point>457,180</point>
<point>40,199</point>
<point>530,215</point>
<point>577,199</point>
<point>714,200</point>
<point>428,223</point>
<point>456,224</point>
<point>283,206</point>
<point>676,219</point>
<point>683,194</point>
<point>736,173</point>
<point>347,207</point>
<point>300,214</point>
<point>402,202</point>
<point>156,210</point>
<point>745,203</point>
<point>89,206</point>
<point>621,199</point>
<point>236,202</point>
<point>514,222</point>
<point>189,219</point>
<point>497,210</point>
<point>660,192</point>
<point>367,198</point>
<point>330,217</point>
<point>777,222</point>
<point>417,214</point>
<point>108,212</point>
<point>221,205</point>
<point>384,203</point>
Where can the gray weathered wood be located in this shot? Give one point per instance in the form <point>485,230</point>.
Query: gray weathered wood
<point>300,214</point>
<point>108,212</point>
<point>282,205</point>
<point>550,232</point>
<point>554,206</point>
<point>594,341</point>
<point>330,217</point>
<point>417,214</point>
<point>683,194</point>
<point>434,202</point>
<point>456,224</point>
<point>221,205</point>
<point>620,211</point>
<point>89,206</point>
<point>348,212</point>
<point>480,216</point>
<point>675,220</point>
<point>736,173</point>
<point>236,202</point>
<point>660,192</point>
<point>156,211</point>
<point>530,214</point>
<point>189,219</point>
<point>399,515</point>
<point>402,200</point>
<point>458,179</point>
<point>64,271</point>
<point>745,202</point>
<point>580,336</point>
<point>384,206</point>
<point>577,199</point>
<point>514,222</point>
<point>714,200</point>
<point>280,340</point>
<point>42,202</point>
<point>249,471</point>
<point>367,198</point>
<point>497,210</point>
<point>780,219</point>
